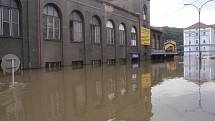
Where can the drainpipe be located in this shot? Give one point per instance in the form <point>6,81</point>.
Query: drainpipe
<point>39,33</point>
<point>27,21</point>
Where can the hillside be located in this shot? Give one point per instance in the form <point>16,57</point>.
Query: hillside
<point>171,33</point>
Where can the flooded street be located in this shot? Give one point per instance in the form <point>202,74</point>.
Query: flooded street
<point>150,91</point>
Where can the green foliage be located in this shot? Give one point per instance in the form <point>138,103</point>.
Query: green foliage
<point>171,33</point>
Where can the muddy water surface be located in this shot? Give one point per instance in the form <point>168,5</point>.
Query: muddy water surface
<point>151,91</point>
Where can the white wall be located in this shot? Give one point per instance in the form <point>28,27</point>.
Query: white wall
<point>191,41</point>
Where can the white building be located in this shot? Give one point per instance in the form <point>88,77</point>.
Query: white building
<point>191,40</point>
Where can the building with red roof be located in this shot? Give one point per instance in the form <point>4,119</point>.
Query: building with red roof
<point>206,42</point>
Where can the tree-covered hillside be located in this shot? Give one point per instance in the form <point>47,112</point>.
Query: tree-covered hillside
<point>171,33</point>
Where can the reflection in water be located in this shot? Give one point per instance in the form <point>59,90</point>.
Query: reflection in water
<point>11,107</point>
<point>199,74</point>
<point>193,72</point>
<point>139,92</point>
<point>87,94</point>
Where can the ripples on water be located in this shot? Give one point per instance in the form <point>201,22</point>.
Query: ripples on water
<point>150,91</point>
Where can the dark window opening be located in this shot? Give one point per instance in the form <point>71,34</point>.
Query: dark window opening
<point>77,64</point>
<point>122,60</point>
<point>111,61</point>
<point>96,62</point>
<point>204,41</point>
<point>204,33</point>
<point>135,60</point>
<point>53,66</point>
<point>1,68</point>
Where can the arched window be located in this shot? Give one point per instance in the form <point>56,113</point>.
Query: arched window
<point>51,23</point>
<point>145,12</point>
<point>133,37</point>
<point>122,35</point>
<point>9,18</point>
<point>76,27</point>
<point>110,33</point>
<point>95,30</point>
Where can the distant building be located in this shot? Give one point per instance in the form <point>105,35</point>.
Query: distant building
<point>161,49</point>
<point>176,34</point>
<point>170,46</point>
<point>191,40</point>
<point>156,39</point>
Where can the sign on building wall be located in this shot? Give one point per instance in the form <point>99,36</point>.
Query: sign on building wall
<point>145,36</point>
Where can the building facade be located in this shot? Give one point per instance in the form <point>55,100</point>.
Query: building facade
<point>206,42</point>
<point>46,33</point>
<point>156,39</point>
<point>170,46</point>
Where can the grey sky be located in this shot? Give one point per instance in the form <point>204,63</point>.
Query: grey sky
<point>171,13</point>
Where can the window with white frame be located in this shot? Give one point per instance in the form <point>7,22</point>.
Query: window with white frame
<point>204,48</point>
<point>51,23</point>
<point>76,27</point>
<point>9,18</point>
<point>122,35</point>
<point>95,31</point>
<point>204,33</point>
<point>204,41</point>
<point>133,37</point>
<point>110,33</point>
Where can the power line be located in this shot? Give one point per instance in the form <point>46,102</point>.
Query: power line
<point>175,11</point>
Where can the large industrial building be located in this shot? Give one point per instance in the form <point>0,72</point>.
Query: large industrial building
<point>46,33</point>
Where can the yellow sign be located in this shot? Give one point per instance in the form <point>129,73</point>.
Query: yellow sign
<point>145,36</point>
<point>146,80</point>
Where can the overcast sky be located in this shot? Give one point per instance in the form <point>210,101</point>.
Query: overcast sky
<point>172,13</point>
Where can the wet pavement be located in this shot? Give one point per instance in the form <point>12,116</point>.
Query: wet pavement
<point>150,91</point>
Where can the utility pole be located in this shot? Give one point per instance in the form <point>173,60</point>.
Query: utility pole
<point>199,12</point>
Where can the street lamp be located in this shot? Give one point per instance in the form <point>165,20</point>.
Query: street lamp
<point>199,11</point>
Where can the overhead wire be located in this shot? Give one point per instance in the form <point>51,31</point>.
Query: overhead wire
<point>175,11</point>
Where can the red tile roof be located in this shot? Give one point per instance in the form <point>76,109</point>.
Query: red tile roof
<point>213,26</point>
<point>202,25</point>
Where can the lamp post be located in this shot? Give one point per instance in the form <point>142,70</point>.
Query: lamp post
<point>199,11</point>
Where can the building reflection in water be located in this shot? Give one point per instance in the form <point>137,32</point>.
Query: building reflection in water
<point>199,74</point>
<point>119,92</point>
<point>193,72</point>
<point>11,108</point>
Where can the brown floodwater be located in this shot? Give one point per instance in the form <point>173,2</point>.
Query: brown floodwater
<point>149,91</point>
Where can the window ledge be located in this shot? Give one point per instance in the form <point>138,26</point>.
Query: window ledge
<point>77,42</point>
<point>97,44</point>
<point>110,45</point>
<point>52,40</point>
<point>11,37</point>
